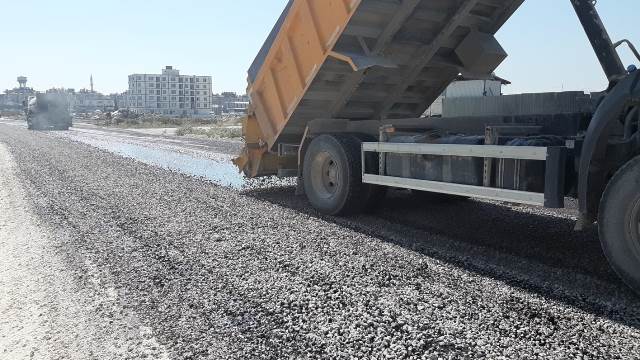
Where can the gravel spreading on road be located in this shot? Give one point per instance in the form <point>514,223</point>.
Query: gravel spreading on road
<point>216,273</point>
<point>86,133</point>
<point>210,159</point>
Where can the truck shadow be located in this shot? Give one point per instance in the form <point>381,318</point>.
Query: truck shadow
<point>526,247</point>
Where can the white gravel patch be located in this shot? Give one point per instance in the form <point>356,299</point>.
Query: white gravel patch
<point>155,131</point>
<point>47,309</point>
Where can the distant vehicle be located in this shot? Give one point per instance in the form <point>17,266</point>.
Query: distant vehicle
<point>48,112</point>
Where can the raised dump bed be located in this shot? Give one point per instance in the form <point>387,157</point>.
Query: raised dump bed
<point>363,60</point>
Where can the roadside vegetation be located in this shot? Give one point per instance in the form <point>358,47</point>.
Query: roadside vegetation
<point>212,132</point>
<point>226,126</point>
<point>158,122</point>
<point>125,119</point>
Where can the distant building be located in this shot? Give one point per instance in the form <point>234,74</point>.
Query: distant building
<point>120,101</point>
<point>169,94</point>
<point>86,101</point>
<point>462,88</point>
<point>230,103</point>
<point>14,99</point>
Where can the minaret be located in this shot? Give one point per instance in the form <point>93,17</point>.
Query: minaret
<point>91,81</point>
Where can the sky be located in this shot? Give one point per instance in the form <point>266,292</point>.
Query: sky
<point>61,43</point>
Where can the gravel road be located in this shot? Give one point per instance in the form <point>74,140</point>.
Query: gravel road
<point>50,310</point>
<point>196,270</point>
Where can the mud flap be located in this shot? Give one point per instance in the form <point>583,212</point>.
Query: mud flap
<point>255,160</point>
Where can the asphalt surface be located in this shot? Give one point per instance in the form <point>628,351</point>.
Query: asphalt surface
<point>211,268</point>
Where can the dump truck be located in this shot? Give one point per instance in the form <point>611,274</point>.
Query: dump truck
<point>48,111</point>
<point>339,89</point>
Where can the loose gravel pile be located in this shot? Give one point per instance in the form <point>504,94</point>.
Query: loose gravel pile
<point>219,274</point>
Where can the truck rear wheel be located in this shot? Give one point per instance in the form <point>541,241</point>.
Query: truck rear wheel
<point>619,223</point>
<point>332,175</point>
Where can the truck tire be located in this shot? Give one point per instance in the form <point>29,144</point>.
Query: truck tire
<point>332,173</point>
<point>619,223</point>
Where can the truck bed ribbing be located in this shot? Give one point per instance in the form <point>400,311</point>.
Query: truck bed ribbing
<point>367,59</point>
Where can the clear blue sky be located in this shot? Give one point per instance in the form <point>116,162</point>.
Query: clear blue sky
<point>60,43</point>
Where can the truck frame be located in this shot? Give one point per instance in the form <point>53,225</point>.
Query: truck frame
<point>337,92</point>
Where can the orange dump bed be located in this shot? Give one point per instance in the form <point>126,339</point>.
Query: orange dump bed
<point>366,59</point>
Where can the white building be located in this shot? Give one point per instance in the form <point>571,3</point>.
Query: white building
<point>170,93</point>
<point>14,99</point>
<point>86,101</point>
<point>463,88</point>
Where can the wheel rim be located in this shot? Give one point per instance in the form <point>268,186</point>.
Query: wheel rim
<point>325,177</point>
<point>633,228</point>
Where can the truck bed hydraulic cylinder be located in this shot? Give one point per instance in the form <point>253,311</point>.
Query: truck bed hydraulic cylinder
<point>599,38</point>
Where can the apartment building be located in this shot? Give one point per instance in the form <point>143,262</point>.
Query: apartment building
<point>170,93</point>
